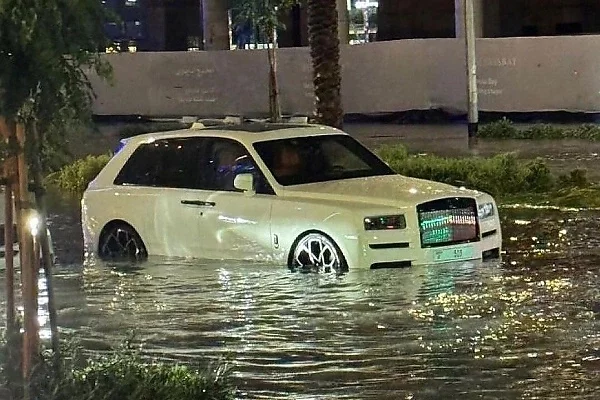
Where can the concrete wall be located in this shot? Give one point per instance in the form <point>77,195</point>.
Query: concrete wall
<point>515,74</point>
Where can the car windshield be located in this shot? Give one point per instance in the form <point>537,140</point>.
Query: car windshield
<point>300,160</point>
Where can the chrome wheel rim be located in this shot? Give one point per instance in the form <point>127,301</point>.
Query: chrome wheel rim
<point>317,251</point>
<point>122,244</point>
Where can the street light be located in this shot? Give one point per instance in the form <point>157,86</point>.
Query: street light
<point>469,24</point>
<point>33,224</point>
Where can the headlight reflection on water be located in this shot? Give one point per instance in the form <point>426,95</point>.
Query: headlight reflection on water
<point>514,312</point>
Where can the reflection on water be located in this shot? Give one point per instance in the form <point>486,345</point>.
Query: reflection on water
<point>526,328</point>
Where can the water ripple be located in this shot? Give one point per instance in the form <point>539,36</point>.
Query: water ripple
<point>525,328</point>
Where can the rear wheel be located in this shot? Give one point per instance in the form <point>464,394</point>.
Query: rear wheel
<point>316,251</point>
<point>120,242</point>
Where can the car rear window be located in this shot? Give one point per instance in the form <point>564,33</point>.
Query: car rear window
<point>163,163</point>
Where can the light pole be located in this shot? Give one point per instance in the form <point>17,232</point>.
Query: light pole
<point>472,100</point>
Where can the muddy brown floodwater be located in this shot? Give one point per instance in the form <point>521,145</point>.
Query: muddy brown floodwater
<point>523,328</point>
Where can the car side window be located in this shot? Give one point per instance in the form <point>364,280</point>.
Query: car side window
<point>170,163</point>
<point>226,159</point>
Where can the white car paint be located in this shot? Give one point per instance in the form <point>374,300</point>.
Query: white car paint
<point>248,226</point>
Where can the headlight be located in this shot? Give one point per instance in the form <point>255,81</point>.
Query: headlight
<point>385,222</point>
<point>486,210</point>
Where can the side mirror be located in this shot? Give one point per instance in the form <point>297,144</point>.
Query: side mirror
<point>245,183</point>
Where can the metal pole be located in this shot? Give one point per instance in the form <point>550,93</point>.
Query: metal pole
<point>9,254</point>
<point>7,132</point>
<point>28,272</point>
<point>473,113</point>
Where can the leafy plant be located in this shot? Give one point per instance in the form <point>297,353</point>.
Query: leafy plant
<point>74,178</point>
<point>48,49</point>
<point>265,15</point>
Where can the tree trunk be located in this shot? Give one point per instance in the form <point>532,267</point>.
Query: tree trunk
<point>325,54</point>
<point>11,322</point>
<point>274,104</point>
<point>28,266</point>
<point>44,241</point>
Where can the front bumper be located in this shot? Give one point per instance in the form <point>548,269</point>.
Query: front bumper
<point>379,257</point>
<point>402,248</point>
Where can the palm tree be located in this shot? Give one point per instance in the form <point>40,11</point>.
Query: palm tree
<point>325,54</point>
<point>265,15</point>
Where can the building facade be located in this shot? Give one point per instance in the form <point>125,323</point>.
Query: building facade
<point>179,25</point>
<point>410,19</point>
<point>155,25</point>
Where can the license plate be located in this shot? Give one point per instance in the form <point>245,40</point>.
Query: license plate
<point>453,254</point>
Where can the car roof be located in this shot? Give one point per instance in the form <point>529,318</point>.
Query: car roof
<point>255,127</point>
<point>246,132</point>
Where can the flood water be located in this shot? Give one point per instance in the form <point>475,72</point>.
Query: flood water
<point>523,328</point>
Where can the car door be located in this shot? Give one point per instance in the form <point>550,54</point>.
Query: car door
<point>233,225</point>
<point>169,212</point>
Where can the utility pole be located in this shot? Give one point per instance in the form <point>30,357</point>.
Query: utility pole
<point>473,112</point>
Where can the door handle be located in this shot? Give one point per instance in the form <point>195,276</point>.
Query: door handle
<point>198,203</point>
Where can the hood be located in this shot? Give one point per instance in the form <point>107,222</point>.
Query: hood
<point>388,190</point>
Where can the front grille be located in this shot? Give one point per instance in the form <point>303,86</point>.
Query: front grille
<point>448,221</point>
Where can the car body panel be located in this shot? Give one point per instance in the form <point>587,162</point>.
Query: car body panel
<point>237,226</point>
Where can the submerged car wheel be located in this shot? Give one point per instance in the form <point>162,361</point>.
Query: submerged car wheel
<point>121,242</point>
<point>315,251</point>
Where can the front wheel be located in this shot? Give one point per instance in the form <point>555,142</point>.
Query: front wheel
<point>316,251</point>
<point>121,242</point>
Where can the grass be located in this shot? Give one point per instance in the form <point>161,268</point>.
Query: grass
<point>122,374</point>
<point>505,129</point>
<point>500,175</point>
<point>504,176</point>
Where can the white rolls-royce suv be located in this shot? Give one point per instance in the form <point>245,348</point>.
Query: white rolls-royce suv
<point>297,195</point>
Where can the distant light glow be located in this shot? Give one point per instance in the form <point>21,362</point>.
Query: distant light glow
<point>33,224</point>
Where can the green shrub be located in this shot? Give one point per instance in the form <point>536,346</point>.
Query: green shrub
<point>501,129</point>
<point>74,178</point>
<point>122,374</point>
<point>500,175</point>
<point>120,377</point>
<point>578,197</point>
<point>585,131</point>
<point>575,179</point>
<point>504,129</point>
